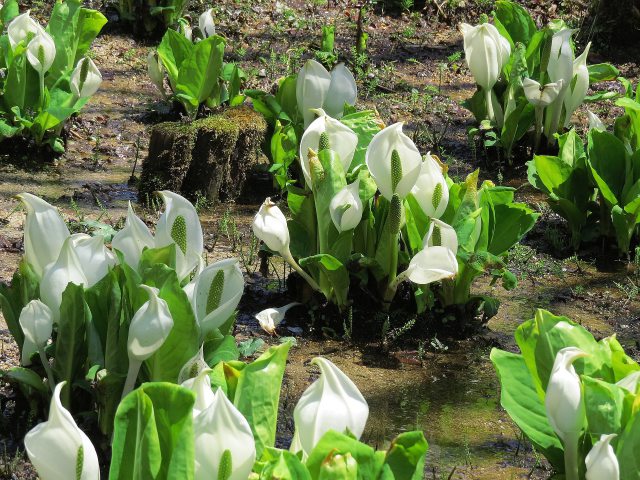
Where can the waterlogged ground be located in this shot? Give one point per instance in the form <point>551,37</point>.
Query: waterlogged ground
<point>443,386</point>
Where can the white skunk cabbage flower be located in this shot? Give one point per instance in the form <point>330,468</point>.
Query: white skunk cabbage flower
<point>577,90</point>
<point>561,58</point>
<point>312,87</point>
<point>156,71</point>
<point>342,140</point>
<point>133,239</point>
<point>217,292</point>
<point>41,52</point>
<point>206,24</point>
<point>595,122</point>
<point>563,401</point>
<point>270,226</point>
<point>394,173</point>
<point>486,52</point>
<point>85,78</point>
<point>193,366</point>
<point>630,382</point>
<point>66,269</point>
<point>441,234</point>
<point>36,321</point>
<point>342,89</point>
<point>184,27</point>
<point>58,449</point>
<point>431,264</point>
<point>201,386</point>
<point>346,207</point>
<point>541,96</point>
<point>95,258</point>
<point>270,318</point>
<point>601,461</point>
<point>332,402</point>
<point>218,429</point>
<point>431,190</point>
<point>150,327</point>
<point>21,28</point>
<point>44,233</point>
<point>179,224</point>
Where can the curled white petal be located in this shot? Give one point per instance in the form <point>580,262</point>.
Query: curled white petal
<point>150,326</point>
<point>346,207</point>
<point>312,86</point>
<point>270,226</point>
<point>432,264</point>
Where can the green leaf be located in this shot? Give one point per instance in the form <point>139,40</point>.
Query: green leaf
<point>521,401</point>
<point>406,456</point>
<point>336,273</point>
<point>71,343</point>
<point>218,350</point>
<point>512,222</point>
<point>26,378</point>
<point>515,22</point>
<point>365,124</point>
<point>627,450</point>
<point>282,465</point>
<point>200,73</point>
<point>257,394</point>
<point>153,435</point>
<point>602,72</point>
<point>607,158</point>
<point>154,256</point>
<point>173,50</point>
<point>604,406</point>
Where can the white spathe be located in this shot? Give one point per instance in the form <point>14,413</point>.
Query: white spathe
<point>431,190</point>
<point>133,239</point>
<point>595,122</point>
<point>95,258</point>
<point>378,160</point>
<point>630,382</point>
<point>270,226</point>
<point>36,321</point>
<point>21,27</point>
<point>41,52</point>
<point>486,52</point>
<point>541,96</point>
<point>441,234</point>
<point>563,400</point>
<point>201,386</point>
<point>150,327</point>
<point>332,402</point>
<point>346,207</point>
<point>560,66</point>
<point>156,71</point>
<point>270,318</point>
<point>85,78</point>
<point>342,89</point>
<point>57,276</point>
<point>432,264</point>
<point>218,428</point>
<point>179,224</point>
<point>53,446</point>
<point>216,294</point>
<point>312,86</point>
<point>206,24</point>
<point>44,232</point>
<point>577,91</point>
<point>342,140</point>
<point>601,461</point>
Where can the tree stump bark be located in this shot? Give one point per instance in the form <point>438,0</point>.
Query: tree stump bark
<point>209,157</point>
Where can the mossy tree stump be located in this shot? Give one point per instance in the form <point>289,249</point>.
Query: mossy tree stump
<point>209,157</point>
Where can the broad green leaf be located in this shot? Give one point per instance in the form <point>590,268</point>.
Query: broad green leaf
<point>173,50</point>
<point>627,450</point>
<point>519,398</point>
<point>623,225</point>
<point>607,157</point>
<point>512,222</point>
<point>153,437</point>
<point>282,465</point>
<point>336,273</point>
<point>602,72</point>
<point>26,377</point>
<point>199,75</point>
<point>604,406</point>
<point>515,21</point>
<point>257,394</point>
<point>406,456</point>
<point>365,124</point>
<point>24,287</point>
<point>218,350</point>
<point>71,343</point>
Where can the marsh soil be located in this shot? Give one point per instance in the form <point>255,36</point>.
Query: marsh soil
<point>437,383</point>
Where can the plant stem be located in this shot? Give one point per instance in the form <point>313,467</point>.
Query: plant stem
<point>489,102</point>
<point>290,260</point>
<point>539,114</point>
<point>132,375</point>
<point>47,368</point>
<point>392,287</point>
<point>571,457</point>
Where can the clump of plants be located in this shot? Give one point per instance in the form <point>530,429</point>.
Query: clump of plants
<point>529,81</point>
<point>48,76</point>
<point>151,17</point>
<point>195,70</point>
<point>574,398</point>
<point>372,213</point>
<point>596,187</point>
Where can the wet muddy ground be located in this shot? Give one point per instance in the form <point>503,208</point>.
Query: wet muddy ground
<point>445,386</point>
